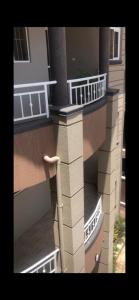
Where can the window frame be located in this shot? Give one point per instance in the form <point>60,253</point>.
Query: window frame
<point>117,29</point>
<point>28,50</point>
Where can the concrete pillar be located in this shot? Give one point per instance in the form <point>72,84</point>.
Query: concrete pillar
<point>120,132</point>
<point>109,180</point>
<point>104,50</point>
<point>70,149</point>
<point>58,60</point>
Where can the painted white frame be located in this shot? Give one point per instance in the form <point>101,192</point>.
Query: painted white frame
<point>117,29</point>
<point>27,40</point>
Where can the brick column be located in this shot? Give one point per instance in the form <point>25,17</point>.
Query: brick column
<point>69,129</point>
<point>108,182</point>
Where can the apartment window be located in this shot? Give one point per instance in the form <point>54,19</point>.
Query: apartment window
<point>21,45</point>
<point>115,43</point>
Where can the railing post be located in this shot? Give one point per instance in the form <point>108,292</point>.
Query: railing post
<point>88,90</point>
<point>46,100</point>
<point>105,82</point>
<point>21,106</point>
<point>70,92</point>
<point>55,263</point>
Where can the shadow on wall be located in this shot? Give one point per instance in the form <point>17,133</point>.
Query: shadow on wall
<point>91,169</point>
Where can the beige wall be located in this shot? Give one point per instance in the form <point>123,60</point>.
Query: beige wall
<point>82,51</point>
<point>29,206</point>
<point>94,131</point>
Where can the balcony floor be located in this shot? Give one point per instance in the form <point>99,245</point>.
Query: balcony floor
<point>91,198</point>
<point>34,244</point>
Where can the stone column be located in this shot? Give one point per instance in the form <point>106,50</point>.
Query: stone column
<point>58,61</point>
<point>69,129</point>
<point>108,183</point>
<point>104,40</point>
<point>120,132</point>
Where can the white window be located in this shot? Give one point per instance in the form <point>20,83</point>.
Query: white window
<point>115,43</point>
<point>21,46</point>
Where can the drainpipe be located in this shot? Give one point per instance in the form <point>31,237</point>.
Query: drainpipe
<point>52,160</point>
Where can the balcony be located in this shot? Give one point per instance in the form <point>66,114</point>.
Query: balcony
<point>31,101</point>
<point>84,91</point>
<point>93,213</point>
<point>93,227</point>
<point>34,250</point>
<point>92,223</point>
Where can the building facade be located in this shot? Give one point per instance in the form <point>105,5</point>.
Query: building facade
<point>69,106</point>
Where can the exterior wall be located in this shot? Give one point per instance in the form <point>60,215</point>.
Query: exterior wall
<point>36,70</point>
<point>29,149</point>
<point>29,206</point>
<point>60,139</point>
<point>30,146</point>
<point>82,51</point>
<point>93,131</point>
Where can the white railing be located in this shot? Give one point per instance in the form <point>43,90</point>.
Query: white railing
<point>89,90</point>
<point>91,224</point>
<point>32,100</point>
<point>46,265</point>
